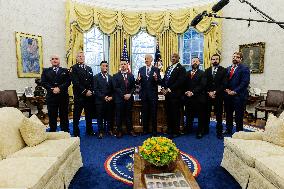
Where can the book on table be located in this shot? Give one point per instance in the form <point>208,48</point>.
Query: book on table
<point>166,181</point>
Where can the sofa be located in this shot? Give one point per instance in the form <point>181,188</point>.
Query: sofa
<point>256,159</point>
<point>51,163</point>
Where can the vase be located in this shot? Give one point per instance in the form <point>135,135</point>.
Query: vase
<point>150,168</point>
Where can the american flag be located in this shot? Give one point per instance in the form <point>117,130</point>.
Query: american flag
<point>125,56</point>
<point>157,53</point>
<point>158,58</point>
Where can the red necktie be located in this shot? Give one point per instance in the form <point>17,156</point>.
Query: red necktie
<point>232,72</point>
<point>192,74</point>
<point>125,81</point>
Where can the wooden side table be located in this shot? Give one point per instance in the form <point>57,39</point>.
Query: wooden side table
<point>139,166</point>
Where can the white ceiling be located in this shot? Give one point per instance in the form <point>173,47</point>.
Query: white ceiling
<point>139,5</point>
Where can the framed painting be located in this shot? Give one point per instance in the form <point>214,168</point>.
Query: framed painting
<point>29,55</point>
<point>254,56</point>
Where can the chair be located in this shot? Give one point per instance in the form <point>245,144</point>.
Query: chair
<point>273,104</point>
<point>9,98</point>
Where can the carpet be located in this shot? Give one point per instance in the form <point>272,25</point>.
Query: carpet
<point>207,151</point>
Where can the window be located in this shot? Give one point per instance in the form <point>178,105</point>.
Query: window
<point>142,44</point>
<point>96,48</point>
<point>191,45</point>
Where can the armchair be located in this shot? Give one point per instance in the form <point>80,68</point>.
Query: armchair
<point>9,98</point>
<point>273,104</point>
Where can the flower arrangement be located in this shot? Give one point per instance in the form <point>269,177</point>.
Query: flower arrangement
<point>159,151</point>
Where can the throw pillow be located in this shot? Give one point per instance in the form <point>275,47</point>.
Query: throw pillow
<point>274,130</point>
<point>281,116</point>
<point>32,132</point>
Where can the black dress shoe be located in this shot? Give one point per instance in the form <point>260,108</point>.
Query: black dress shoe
<point>100,135</point>
<point>132,133</point>
<point>91,133</point>
<point>226,132</point>
<point>119,135</point>
<point>199,136</point>
<point>220,136</point>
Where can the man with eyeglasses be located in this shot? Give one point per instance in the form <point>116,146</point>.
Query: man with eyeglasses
<point>56,81</point>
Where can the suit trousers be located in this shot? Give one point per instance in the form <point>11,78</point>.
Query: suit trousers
<point>104,115</point>
<point>194,107</point>
<point>173,108</point>
<point>124,113</point>
<point>149,112</point>
<point>85,103</point>
<point>58,105</point>
<point>217,105</point>
<point>234,104</point>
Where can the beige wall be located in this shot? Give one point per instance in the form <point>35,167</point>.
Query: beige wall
<point>40,17</point>
<point>238,32</point>
<point>46,18</point>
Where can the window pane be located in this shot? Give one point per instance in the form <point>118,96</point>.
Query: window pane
<point>94,45</point>
<point>192,46</point>
<point>142,44</point>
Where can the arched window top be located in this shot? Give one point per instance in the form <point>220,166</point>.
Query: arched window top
<point>142,43</point>
<point>192,43</point>
<point>95,48</point>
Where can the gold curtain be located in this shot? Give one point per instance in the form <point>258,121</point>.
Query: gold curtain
<point>116,47</point>
<point>165,25</point>
<point>168,42</point>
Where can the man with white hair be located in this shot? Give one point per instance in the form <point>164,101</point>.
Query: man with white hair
<point>149,78</point>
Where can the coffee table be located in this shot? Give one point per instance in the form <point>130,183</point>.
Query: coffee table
<point>139,166</point>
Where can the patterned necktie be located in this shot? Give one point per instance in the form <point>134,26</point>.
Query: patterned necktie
<point>55,69</point>
<point>192,73</point>
<point>168,75</point>
<point>147,72</point>
<point>125,80</point>
<point>232,71</point>
<point>214,71</point>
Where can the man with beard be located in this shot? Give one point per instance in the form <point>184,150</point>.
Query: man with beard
<point>124,86</point>
<point>172,88</point>
<point>216,77</point>
<point>236,92</point>
<point>195,98</point>
<point>103,99</point>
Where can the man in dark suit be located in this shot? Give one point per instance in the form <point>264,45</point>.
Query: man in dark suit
<point>124,86</point>
<point>172,88</point>
<point>149,78</point>
<point>195,98</point>
<point>56,81</point>
<point>83,87</point>
<point>236,92</point>
<point>216,77</point>
<point>103,91</point>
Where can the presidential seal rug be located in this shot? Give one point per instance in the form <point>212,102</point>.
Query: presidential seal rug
<point>119,165</point>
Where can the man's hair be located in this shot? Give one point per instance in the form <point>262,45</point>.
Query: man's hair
<point>122,59</point>
<point>216,55</point>
<point>195,57</point>
<point>79,52</point>
<point>103,62</point>
<point>240,54</point>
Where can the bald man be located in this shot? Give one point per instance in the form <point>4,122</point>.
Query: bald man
<point>149,77</point>
<point>172,88</point>
<point>56,81</point>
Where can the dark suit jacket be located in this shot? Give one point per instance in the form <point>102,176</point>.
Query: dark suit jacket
<point>175,82</point>
<point>102,88</point>
<point>50,79</point>
<point>149,87</point>
<point>197,85</point>
<point>218,83</point>
<point>119,87</point>
<point>82,80</point>
<point>240,80</point>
